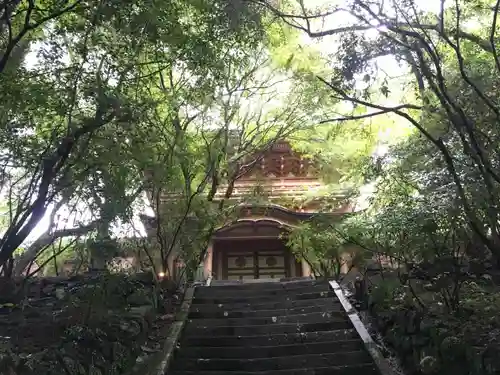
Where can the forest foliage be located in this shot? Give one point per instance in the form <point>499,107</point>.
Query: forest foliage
<point>106,107</point>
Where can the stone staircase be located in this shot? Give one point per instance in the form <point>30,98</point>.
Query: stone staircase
<point>270,328</point>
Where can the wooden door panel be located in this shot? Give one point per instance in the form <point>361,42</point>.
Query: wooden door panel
<point>240,261</point>
<point>271,261</point>
<point>255,263</point>
<point>278,275</point>
<point>241,277</point>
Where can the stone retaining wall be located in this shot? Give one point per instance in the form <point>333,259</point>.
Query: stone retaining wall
<point>87,324</point>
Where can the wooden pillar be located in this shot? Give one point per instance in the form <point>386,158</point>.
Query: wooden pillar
<point>208,261</point>
<point>345,263</point>
<point>306,269</point>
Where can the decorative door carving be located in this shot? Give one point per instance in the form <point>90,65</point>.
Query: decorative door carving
<point>255,264</point>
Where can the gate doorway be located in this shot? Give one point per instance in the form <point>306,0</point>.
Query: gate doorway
<point>254,259</point>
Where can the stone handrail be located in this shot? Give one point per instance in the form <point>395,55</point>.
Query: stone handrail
<point>158,363</point>
<point>370,345</point>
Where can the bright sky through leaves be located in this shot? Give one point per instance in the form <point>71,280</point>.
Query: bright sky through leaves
<point>326,45</point>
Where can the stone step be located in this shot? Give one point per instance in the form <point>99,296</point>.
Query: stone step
<point>249,330</point>
<point>270,305</point>
<point>314,317</point>
<point>260,283</point>
<point>269,340</point>
<point>269,351</point>
<point>263,298</point>
<point>211,292</point>
<point>220,313</point>
<point>361,369</point>
<point>270,328</point>
<point>274,363</point>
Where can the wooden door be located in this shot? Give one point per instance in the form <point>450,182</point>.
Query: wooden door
<point>272,264</point>
<point>255,264</point>
<point>238,265</point>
